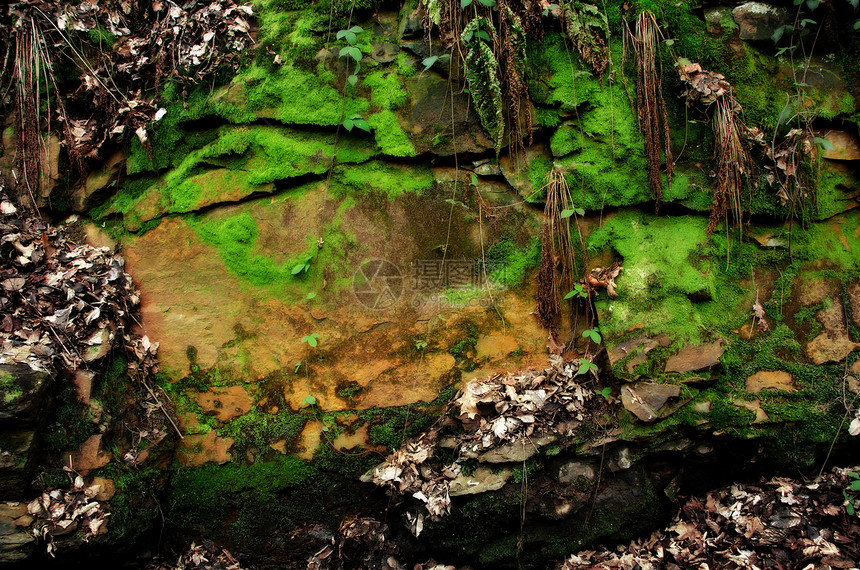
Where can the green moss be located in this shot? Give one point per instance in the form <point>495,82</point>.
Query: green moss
<point>135,508</point>
<point>387,90</point>
<point>389,135</point>
<point>199,495</point>
<point>538,168</point>
<point>405,65</point>
<point>70,424</point>
<point>602,148</point>
<point>510,264</point>
<point>240,161</point>
<point>660,274</point>
<point>837,241</point>
<point>260,429</point>
<point>236,237</point>
<point>101,37</point>
<point>388,179</point>
<point>831,187</point>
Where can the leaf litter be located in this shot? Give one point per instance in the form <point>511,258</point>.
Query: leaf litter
<point>505,417</point>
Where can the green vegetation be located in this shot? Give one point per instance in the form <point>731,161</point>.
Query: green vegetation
<point>236,239</point>
<point>661,273</point>
<point>259,429</point>
<point>379,177</point>
<point>510,264</point>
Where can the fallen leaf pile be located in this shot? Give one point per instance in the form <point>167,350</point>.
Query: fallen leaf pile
<point>154,40</point>
<point>702,86</point>
<point>507,413</point>
<point>362,542</point>
<point>62,305</point>
<point>60,512</point>
<point>600,277</point>
<point>781,523</point>
<point>204,556</point>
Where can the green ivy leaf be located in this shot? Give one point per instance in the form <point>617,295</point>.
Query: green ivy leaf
<point>777,34</point>
<point>813,4</point>
<point>857,24</point>
<point>855,485</point>
<point>474,179</point>
<point>299,267</point>
<point>311,339</point>
<point>361,124</point>
<point>566,214</point>
<point>580,211</point>
<point>353,79</point>
<point>467,37</point>
<point>356,29</point>
<point>570,295</point>
<point>429,61</point>
<point>465,3</point>
<point>488,3</point>
<point>348,124</point>
<point>311,295</point>
<point>823,143</point>
<point>585,366</point>
<point>483,35</point>
<point>854,3</point>
<point>309,400</point>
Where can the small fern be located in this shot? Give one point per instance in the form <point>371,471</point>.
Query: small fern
<point>482,77</point>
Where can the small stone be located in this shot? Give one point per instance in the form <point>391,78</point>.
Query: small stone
<point>570,472</point>
<point>695,358</point>
<point>99,345</point>
<point>770,379</point>
<point>620,460</point>
<point>829,348</point>
<point>384,52</point>
<point>754,406</point>
<point>107,489</point>
<point>515,451</point>
<point>482,480</point>
<point>488,169</point>
<point>84,384</point>
<point>88,457</point>
<point>854,302</point>
<point>644,399</point>
<point>759,21</point>
<point>195,450</point>
<point>846,145</point>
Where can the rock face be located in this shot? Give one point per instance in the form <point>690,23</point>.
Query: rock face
<point>843,145</point>
<point>331,244</point>
<point>645,399</point>
<point>759,21</point>
<point>695,358</point>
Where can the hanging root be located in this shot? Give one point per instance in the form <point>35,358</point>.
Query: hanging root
<point>557,256</point>
<point>731,162</point>
<point>27,127</point>
<point>651,106</point>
